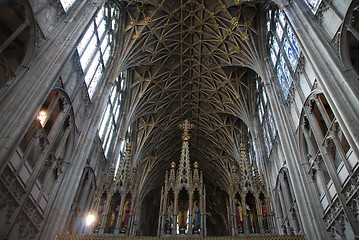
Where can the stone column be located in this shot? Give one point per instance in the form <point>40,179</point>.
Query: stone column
<point>233,217</point>
<point>163,215</point>
<point>175,214</point>
<point>288,200</point>
<point>328,159</point>
<point>203,211</point>
<point>293,160</point>
<point>190,217</point>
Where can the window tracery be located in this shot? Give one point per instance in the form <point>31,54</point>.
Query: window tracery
<point>266,120</point>
<point>97,45</point>
<point>284,50</point>
<point>110,118</point>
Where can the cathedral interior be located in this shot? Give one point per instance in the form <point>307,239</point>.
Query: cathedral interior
<point>179,118</point>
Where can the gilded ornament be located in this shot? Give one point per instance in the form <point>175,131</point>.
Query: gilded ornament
<point>247,24</point>
<point>245,37</point>
<point>133,22</point>
<point>234,21</point>
<point>148,20</point>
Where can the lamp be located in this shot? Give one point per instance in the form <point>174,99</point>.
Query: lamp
<point>41,116</point>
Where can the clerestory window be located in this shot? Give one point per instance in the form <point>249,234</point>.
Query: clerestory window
<point>97,44</point>
<point>110,118</point>
<point>266,119</point>
<point>284,50</point>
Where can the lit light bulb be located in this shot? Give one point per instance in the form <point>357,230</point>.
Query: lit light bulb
<point>41,116</point>
<point>90,219</point>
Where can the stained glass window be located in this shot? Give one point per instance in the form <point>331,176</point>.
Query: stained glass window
<point>293,40</point>
<point>290,53</point>
<point>313,5</point>
<point>266,120</point>
<point>96,46</point>
<point>279,30</point>
<point>284,50</point>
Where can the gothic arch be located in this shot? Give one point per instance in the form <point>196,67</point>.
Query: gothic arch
<point>81,206</point>
<point>285,204</point>
<point>330,162</point>
<point>18,47</point>
<point>38,162</point>
<point>349,38</point>
<point>301,123</point>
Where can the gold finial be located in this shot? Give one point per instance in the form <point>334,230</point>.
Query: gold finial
<point>195,165</point>
<point>173,164</point>
<point>186,126</point>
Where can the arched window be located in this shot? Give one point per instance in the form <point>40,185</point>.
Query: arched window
<point>284,49</point>
<point>17,41</point>
<point>110,118</point>
<point>97,44</point>
<point>349,38</point>
<point>286,205</point>
<point>82,203</point>
<point>266,120</point>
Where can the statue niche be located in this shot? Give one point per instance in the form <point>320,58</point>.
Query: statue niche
<point>183,212</point>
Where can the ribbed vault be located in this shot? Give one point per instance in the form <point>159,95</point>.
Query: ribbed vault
<point>193,60</point>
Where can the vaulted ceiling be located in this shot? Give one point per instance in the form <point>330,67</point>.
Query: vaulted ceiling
<point>196,60</point>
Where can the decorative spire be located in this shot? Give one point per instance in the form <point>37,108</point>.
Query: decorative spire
<point>196,176</point>
<point>235,179</point>
<point>127,174</point>
<point>184,167</point>
<point>172,175</point>
<point>257,176</point>
<point>242,166</point>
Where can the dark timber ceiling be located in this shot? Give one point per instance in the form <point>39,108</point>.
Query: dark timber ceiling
<point>191,60</point>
